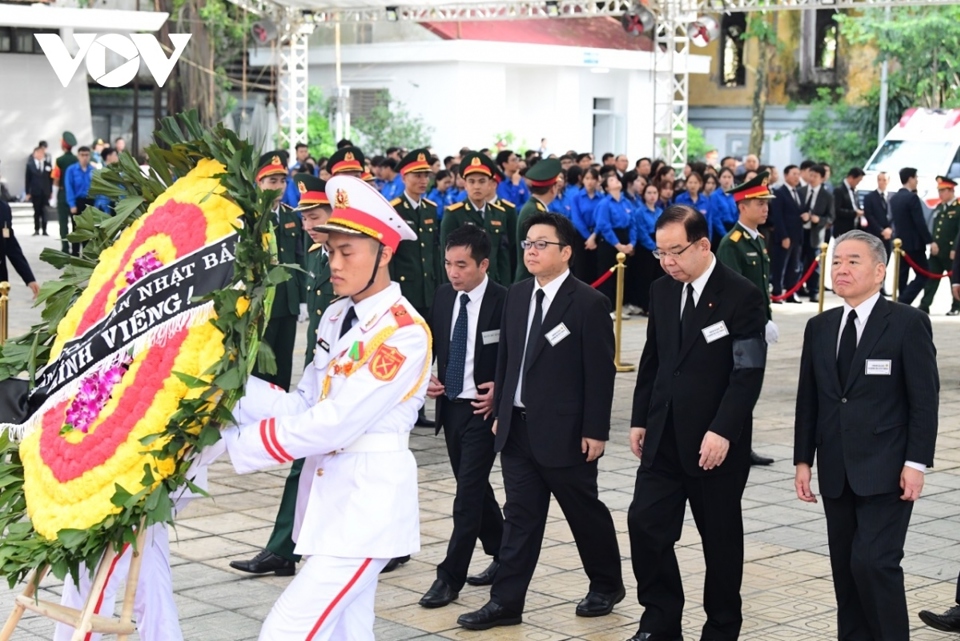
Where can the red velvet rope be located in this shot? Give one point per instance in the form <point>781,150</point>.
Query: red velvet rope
<point>796,288</point>
<point>921,270</point>
<point>604,278</point>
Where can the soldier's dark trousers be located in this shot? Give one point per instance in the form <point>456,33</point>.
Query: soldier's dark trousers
<point>938,265</point>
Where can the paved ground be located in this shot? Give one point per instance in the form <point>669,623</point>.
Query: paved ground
<point>787,588</point>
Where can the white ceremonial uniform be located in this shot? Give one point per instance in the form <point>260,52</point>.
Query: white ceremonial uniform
<point>350,419</point>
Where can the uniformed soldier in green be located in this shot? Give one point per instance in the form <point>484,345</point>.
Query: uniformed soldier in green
<point>314,207</point>
<point>542,178</point>
<point>478,172</point>
<point>281,332</point>
<point>946,228</point>
<point>417,264</point>
<point>347,161</point>
<point>744,251</point>
<point>67,142</point>
<point>510,209</point>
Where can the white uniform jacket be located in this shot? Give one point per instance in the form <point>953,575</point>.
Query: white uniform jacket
<point>372,381</point>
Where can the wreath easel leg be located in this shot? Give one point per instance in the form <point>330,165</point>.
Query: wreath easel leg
<point>18,609</point>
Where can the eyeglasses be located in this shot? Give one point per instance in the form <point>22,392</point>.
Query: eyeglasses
<point>539,244</point>
<point>659,255</point>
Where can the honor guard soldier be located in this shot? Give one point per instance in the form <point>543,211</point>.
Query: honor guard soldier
<point>744,250</point>
<point>281,332</point>
<point>347,161</point>
<point>479,173</point>
<point>946,228</point>
<point>350,420</point>
<point>543,187</point>
<point>67,142</point>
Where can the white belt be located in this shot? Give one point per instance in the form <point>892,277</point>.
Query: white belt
<point>378,443</point>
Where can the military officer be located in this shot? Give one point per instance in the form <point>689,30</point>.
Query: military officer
<point>67,143</point>
<point>543,189</point>
<point>510,209</point>
<point>281,332</point>
<point>946,228</point>
<point>347,161</point>
<point>350,419</point>
<point>744,251</point>
<point>479,173</point>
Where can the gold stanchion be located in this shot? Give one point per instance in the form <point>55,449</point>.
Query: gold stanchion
<point>823,275</point>
<point>618,312</point>
<point>897,253</point>
<point>4,313</point>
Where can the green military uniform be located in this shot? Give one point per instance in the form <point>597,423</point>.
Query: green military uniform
<point>542,175</point>
<point>418,264</point>
<point>281,332</point>
<point>63,209</point>
<point>494,219</point>
<point>511,211</point>
<point>317,286</point>
<point>531,207</point>
<point>946,228</point>
<point>347,161</point>
<point>747,256</point>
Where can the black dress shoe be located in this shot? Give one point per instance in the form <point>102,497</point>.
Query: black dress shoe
<point>439,595</point>
<point>814,298</point>
<point>954,312</point>
<point>648,636</point>
<point>265,562</point>
<point>393,564</point>
<point>949,621</point>
<point>598,604</point>
<point>794,299</point>
<point>756,459</point>
<point>491,615</point>
<point>776,302</point>
<point>486,577</point>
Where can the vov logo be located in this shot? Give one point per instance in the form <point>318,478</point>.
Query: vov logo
<point>94,49</point>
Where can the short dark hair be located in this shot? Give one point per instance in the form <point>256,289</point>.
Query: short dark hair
<point>629,177</point>
<point>786,170</point>
<point>807,164</point>
<point>42,143</point>
<point>389,163</point>
<point>574,175</point>
<point>819,170</point>
<point>566,232</point>
<point>392,150</point>
<point>471,236</point>
<point>344,142</point>
<point>582,156</point>
<point>107,152</point>
<point>607,156</point>
<point>80,150</point>
<point>447,161</point>
<point>299,145</point>
<point>119,138</point>
<point>855,172</point>
<point>692,220</point>
<point>698,168</point>
<point>906,174</point>
<point>726,158</point>
<point>443,173</point>
<point>503,157</point>
<point>376,161</point>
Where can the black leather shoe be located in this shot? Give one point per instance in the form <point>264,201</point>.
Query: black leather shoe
<point>491,615</point>
<point>949,621</point>
<point>814,298</point>
<point>648,636</point>
<point>266,562</point>
<point>487,576</point>
<point>794,299</point>
<point>954,312</point>
<point>439,595</point>
<point>598,604</point>
<point>756,459</point>
<point>393,564</point>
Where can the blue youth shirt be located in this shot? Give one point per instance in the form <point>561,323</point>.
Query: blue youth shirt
<point>582,207</point>
<point>613,214</point>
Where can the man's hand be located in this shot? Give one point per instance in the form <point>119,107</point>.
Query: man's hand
<point>35,288</point>
<point>26,198</point>
<point>887,233</point>
<point>73,210</point>
<point>956,291</point>
<point>494,428</point>
<point>802,482</point>
<point>435,388</point>
<point>911,482</point>
<point>857,212</point>
<point>637,434</point>
<point>805,217</point>
<point>785,243</point>
<point>713,450</point>
<point>484,403</point>
<point>814,219</point>
<point>516,178</point>
<point>592,448</point>
<point>953,254</point>
<point>934,249</point>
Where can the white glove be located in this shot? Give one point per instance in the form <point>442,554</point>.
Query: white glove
<point>771,332</point>
<point>303,317</point>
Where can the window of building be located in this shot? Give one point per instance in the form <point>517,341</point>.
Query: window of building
<point>733,72</point>
<point>826,39</point>
<point>363,101</point>
<point>819,50</point>
<point>365,33</point>
<point>13,40</point>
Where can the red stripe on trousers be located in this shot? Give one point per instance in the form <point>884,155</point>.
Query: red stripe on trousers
<point>113,565</point>
<point>336,600</point>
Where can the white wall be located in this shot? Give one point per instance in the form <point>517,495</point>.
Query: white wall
<point>38,108</point>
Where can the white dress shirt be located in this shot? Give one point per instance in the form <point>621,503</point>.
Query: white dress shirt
<point>698,285</point>
<point>549,293</point>
<point>864,310</point>
<point>473,317</point>
<point>413,203</point>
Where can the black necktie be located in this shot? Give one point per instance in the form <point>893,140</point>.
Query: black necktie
<point>532,337</point>
<point>348,321</point>
<point>458,351</point>
<point>686,318</point>
<point>848,347</point>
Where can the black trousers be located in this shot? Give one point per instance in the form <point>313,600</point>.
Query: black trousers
<point>476,513</point>
<point>281,539</point>
<point>784,265</point>
<point>82,202</point>
<point>909,292</point>
<point>39,213</point>
<point>647,269</point>
<point>607,258</point>
<point>280,335</point>
<point>528,486</point>
<point>655,521</point>
<point>808,254</point>
<point>584,262</point>
<point>866,536</point>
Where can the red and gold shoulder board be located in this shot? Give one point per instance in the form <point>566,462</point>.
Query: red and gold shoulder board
<point>401,315</point>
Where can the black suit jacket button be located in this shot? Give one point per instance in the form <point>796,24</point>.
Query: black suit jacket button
<point>843,400</point>
<point>676,373</point>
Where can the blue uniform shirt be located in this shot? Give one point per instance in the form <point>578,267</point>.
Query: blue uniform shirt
<point>516,194</point>
<point>644,220</point>
<point>612,214</point>
<point>393,188</point>
<point>440,198</point>
<point>722,213</point>
<point>560,204</point>
<point>77,182</point>
<point>582,207</point>
<point>702,205</point>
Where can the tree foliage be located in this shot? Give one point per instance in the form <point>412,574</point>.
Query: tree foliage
<point>833,132</point>
<point>320,136</point>
<point>760,28</point>
<point>390,124</point>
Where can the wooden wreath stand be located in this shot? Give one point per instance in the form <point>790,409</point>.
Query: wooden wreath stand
<point>84,621</point>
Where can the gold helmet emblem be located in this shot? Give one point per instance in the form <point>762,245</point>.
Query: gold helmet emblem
<point>302,187</point>
<point>764,181</point>
<point>421,158</point>
<point>341,200</point>
<point>348,156</point>
<point>276,161</point>
<point>476,162</point>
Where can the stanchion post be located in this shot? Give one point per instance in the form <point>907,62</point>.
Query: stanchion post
<point>618,312</point>
<point>823,275</point>
<point>4,311</point>
<point>897,253</point>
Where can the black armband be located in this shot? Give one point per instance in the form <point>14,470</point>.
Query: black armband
<point>749,353</point>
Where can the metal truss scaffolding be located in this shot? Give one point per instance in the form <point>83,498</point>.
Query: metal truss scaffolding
<point>292,93</point>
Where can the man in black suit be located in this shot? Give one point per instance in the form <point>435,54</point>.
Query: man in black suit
<point>787,243</point>
<point>705,342</point>
<point>876,211</point>
<point>10,250</point>
<point>867,409</point>
<point>554,392</point>
<point>38,187</point>
<point>846,204</point>
<point>818,217</point>
<point>465,323</point>
<point>911,229</point>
